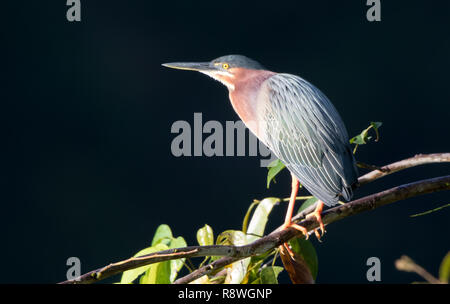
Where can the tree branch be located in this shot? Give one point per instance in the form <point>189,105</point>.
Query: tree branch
<point>370,202</point>
<point>233,253</point>
<point>273,240</point>
<point>419,159</point>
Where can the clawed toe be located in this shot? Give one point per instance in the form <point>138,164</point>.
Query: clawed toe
<point>297,227</point>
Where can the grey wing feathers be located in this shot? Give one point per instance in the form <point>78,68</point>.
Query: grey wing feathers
<point>305,131</point>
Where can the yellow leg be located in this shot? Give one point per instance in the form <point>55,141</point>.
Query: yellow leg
<point>288,220</point>
<point>317,213</point>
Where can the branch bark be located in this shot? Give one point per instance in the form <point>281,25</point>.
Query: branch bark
<point>419,159</point>
<point>233,253</point>
<point>367,203</point>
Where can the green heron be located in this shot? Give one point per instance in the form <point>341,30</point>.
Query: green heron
<point>296,121</point>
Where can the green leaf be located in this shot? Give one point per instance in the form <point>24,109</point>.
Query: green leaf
<point>260,217</point>
<point>163,272</point>
<point>269,274</point>
<point>247,215</point>
<point>205,236</point>
<point>306,250</point>
<point>238,271</point>
<point>231,237</point>
<point>376,124</point>
<point>274,163</point>
<point>158,273</point>
<point>163,234</point>
<point>239,268</point>
<point>254,268</point>
<point>358,140</point>
<point>309,202</point>
<point>444,269</point>
<point>275,167</point>
<point>176,265</point>
<point>204,280</point>
<point>130,275</point>
<point>363,137</point>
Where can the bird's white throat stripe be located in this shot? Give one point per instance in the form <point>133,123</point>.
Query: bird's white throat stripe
<point>216,75</point>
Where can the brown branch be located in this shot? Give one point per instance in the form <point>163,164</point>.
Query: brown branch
<point>419,159</point>
<point>170,254</point>
<point>233,253</point>
<point>370,202</point>
<point>273,240</point>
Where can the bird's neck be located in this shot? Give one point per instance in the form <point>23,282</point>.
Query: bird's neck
<point>244,95</point>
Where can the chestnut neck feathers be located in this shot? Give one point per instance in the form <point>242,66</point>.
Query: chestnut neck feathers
<point>247,84</point>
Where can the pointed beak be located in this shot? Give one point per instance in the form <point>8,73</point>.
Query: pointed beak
<point>190,66</point>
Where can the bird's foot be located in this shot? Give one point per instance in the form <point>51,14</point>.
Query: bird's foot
<point>318,235</point>
<point>317,214</point>
<point>297,227</point>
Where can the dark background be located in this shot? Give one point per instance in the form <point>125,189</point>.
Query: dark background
<point>87,169</point>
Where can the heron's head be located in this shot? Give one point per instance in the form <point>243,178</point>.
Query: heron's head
<point>226,69</point>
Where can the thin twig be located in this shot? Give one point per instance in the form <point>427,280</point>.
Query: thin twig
<point>419,159</point>
<point>405,263</point>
